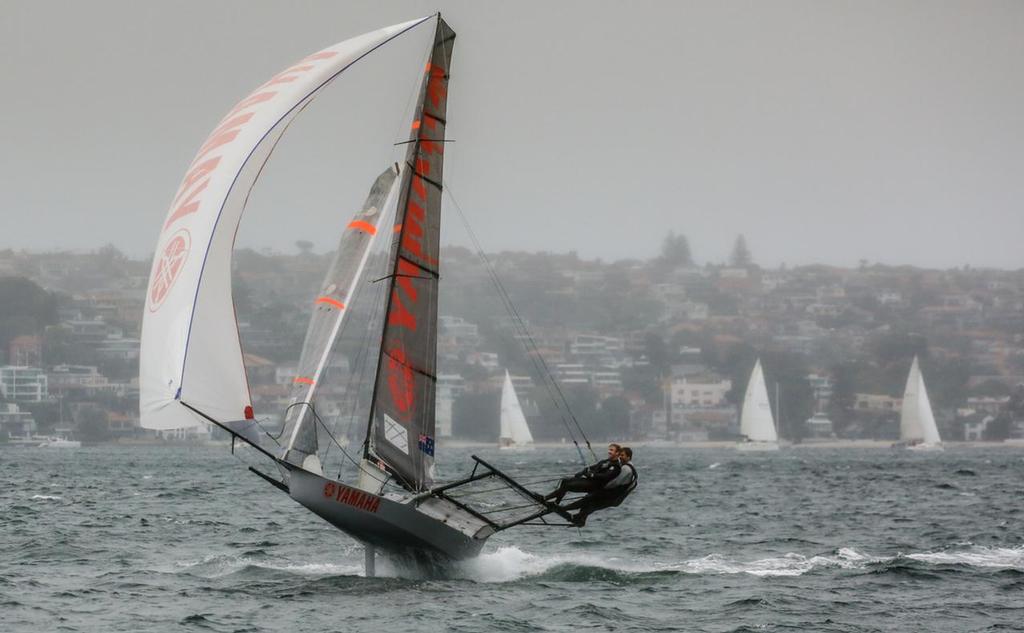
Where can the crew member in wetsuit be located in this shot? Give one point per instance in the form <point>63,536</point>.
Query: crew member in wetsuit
<point>611,494</point>
<point>590,479</point>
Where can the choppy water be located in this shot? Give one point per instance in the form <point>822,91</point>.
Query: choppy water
<point>110,539</point>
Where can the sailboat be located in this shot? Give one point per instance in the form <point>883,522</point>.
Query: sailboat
<point>756,423</point>
<point>918,430</point>
<point>191,370</point>
<point>515,432</point>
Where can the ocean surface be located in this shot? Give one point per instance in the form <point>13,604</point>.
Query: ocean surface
<point>180,539</point>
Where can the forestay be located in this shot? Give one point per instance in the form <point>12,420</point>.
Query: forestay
<point>190,347</point>
<point>401,428</point>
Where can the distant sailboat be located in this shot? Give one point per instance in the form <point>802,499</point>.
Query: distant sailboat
<point>756,423</point>
<point>515,432</point>
<point>917,422</point>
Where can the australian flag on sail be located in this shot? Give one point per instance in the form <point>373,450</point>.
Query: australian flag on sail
<point>427,444</point>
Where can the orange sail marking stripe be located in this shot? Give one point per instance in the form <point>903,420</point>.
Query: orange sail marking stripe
<point>331,301</point>
<point>398,228</point>
<point>416,124</point>
<point>363,226</point>
<point>302,380</point>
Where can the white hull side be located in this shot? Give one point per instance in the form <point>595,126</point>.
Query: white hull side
<point>925,448</point>
<point>757,446</point>
<point>430,531</point>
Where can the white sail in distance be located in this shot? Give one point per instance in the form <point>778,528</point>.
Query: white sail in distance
<point>756,422</point>
<point>917,422</point>
<point>190,351</point>
<point>515,432</point>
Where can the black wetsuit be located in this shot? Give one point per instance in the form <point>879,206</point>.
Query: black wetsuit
<point>591,479</point>
<point>603,497</point>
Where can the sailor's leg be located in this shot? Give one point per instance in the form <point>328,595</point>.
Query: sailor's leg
<point>370,553</point>
<point>572,484</point>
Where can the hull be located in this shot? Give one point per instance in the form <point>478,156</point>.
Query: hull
<point>421,529</point>
<point>61,444</point>
<point>516,447</point>
<point>757,446</point>
<point>925,448</point>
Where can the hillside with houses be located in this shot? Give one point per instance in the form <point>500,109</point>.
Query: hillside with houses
<point>656,349</point>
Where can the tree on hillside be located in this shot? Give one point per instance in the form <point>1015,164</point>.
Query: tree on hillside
<point>740,256</point>
<point>843,399</point>
<point>795,396</point>
<point>305,246</point>
<point>675,251</point>
<point>899,346</point>
<point>25,308</point>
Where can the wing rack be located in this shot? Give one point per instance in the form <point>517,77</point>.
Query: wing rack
<point>496,498</point>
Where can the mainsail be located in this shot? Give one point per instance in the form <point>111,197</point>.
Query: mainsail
<point>331,305</point>
<point>190,347</point>
<point>515,432</point>
<point>756,422</point>
<point>401,426</point>
<point>917,422</point>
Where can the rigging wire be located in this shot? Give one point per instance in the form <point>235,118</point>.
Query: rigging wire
<point>533,351</point>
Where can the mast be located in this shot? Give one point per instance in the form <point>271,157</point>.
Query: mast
<point>778,420</point>
<point>400,430</point>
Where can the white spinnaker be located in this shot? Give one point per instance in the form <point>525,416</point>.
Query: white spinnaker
<point>513,421</point>
<point>917,421</point>
<point>190,346</point>
<point>756,421</point>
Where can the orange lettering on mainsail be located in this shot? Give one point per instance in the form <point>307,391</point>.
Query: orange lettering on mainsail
<point>412,236</point>
<point>399,316</point>
<point>401,382</point>
<point>419,187</point>
<point>406,273</point>
<point>437,88</point>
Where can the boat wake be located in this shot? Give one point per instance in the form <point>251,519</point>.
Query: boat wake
<point>509,564</point>
<point>220,566</point>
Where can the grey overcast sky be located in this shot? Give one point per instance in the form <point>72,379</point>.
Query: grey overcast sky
<point>824,131</point>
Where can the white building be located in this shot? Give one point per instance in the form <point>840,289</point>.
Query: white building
<point>705,390</point>
<point>23,384</point>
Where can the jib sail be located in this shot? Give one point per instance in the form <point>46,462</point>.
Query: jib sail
<point>330,308</point>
